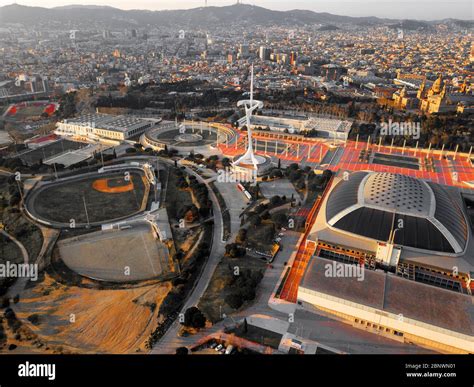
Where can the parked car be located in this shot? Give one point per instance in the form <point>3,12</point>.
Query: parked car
<point>219,347</point>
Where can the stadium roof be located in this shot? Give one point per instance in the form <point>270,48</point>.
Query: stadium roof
<point>389,293</point>
<point>374,204</point>
<point>109,122</point>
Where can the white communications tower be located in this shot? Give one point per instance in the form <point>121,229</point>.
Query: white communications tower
<point>250,105</point>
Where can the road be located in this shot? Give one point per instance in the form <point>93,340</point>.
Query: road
<point>235,202</point>
<point>21,282</point>
<point>315,327</point>
<point>312,326</point>
<point>171,341</point>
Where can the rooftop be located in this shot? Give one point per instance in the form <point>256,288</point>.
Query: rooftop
<point>426,215</point>
<point>109,122</point>
<point>387,292</point>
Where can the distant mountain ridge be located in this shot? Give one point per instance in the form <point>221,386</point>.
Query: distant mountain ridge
<point>238,14</point>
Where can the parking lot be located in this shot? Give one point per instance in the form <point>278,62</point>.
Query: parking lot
<point>280,187</point>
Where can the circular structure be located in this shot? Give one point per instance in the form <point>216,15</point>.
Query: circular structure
<point>89,199</point>
<point>257,166</point>
<point>424,215</point>
<point>397,192</point>
<point>260,160</point>
<point>189,138</point>
<point>186,136</point>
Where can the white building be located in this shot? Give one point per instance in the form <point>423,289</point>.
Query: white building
<point>325,127</point>
<point>104,126</point>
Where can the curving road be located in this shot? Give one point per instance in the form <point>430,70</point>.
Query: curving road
<point>21,282</point>
<point>217,251</point>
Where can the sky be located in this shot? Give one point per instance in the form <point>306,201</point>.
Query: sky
<point>397,9</point>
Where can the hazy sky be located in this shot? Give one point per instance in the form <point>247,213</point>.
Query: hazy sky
<point>414,9</point>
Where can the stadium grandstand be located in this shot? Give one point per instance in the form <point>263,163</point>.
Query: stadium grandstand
<point>323,127</point>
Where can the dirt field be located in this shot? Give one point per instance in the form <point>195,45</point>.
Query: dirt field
<point>106,255</point>
<point>113,185</point>
<point>63,202</point>
<point>82,320</point>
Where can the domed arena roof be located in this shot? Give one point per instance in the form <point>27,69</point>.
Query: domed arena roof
<point>372,204</point>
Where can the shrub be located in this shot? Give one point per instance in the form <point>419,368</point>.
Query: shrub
<point>234,300</point>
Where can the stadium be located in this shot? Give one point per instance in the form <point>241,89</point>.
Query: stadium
<point>113,203</point>
<point>27,110</point>
<point>103,255</point>
<point>91,199</point>
<point>186,136</point>
<point>371,205</point>
<point>414,241</point>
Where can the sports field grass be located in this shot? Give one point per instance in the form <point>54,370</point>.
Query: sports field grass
<point>65,201</point>
<point>31,111</point>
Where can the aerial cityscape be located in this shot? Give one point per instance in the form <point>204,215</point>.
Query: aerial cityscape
<point>235,180</point>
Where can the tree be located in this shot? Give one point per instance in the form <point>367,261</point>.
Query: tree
<point>15,199</point>
<point>194,318</point>
<point>276,173</point>
<point>234,300</point>
<point>248,293</point>
<point>275,200</point>
<point>293,167</point>
<point>241,235</point>
<point>295,175</point>
<point>255,220</point>
<point>234,250</point>
<point>313,186</point>
<point>280,219</point>
<point>226,162</point>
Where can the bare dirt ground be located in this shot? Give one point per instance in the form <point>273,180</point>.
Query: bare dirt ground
<point>84,320</point>
<point>104,255</point>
